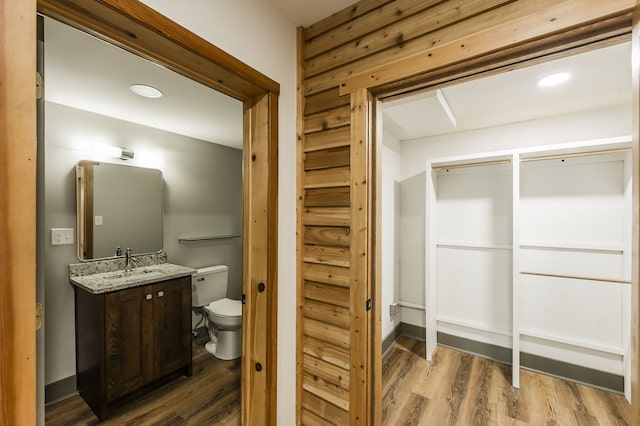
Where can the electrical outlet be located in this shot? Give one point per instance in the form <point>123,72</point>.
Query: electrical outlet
<point>60,236</point>
<point>394,309</point>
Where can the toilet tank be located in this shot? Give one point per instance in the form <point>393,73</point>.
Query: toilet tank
<point>209,284</point>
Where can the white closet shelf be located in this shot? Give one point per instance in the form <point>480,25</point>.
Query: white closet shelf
<point>472,161</point>
<point>572,342</point>
<point>576,149</point>
<point>472,326</point>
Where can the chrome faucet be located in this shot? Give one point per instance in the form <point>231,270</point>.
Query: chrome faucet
<point>128,257</point>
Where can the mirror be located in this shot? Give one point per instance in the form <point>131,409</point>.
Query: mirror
<point>117,206</point>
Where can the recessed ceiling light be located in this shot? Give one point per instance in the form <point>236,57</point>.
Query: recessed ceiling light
<point>554,79</point>
<point>145,90</point>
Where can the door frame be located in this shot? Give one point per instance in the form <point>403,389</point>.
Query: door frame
<point>141,30</point>
<point>576,27</point>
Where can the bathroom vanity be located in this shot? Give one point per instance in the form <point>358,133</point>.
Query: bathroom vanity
<point>133,329</point>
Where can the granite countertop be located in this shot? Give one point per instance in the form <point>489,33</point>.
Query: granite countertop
<point>105,282</point>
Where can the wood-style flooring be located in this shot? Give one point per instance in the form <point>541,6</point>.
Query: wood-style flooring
<point>454,389</point>
<point>461,389</point>
<point>210,396</point>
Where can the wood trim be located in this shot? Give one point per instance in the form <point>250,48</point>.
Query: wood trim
<point>141,30</point>
<point>259,321</point>
<point>270,257</point>
<point>300,144</point>
<point>360,326</point>
<point>17,212</point>
<point>635,249</point>
<point>538,21</point>
<point>375,354</point>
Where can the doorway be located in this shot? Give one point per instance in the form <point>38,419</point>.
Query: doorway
<point>191,136</point>
<point>464,134</point>
<point>157,38</point>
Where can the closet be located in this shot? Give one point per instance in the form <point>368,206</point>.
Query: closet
<point>529,251</point>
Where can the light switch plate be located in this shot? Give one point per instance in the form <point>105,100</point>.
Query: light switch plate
<point>61,236</point>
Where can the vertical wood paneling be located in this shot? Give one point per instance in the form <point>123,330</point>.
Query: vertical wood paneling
<point>17,212</point>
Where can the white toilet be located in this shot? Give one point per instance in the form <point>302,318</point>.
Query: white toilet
<point>223,316</point>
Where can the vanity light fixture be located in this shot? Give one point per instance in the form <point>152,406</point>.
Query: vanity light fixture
<point>126,154</point>
<point>554,79</point>
<point>145,90</point>
<point>113,151</point>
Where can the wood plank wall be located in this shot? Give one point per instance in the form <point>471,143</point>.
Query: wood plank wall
<point>369,34</point>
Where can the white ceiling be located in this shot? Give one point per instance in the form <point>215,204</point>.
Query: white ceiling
<point>599,79</point>
<point>88,74</point>
<point>304,13</point>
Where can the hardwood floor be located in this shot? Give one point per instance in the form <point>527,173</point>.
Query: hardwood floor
<point>210,396</point>
<point>455,389</point>
<point>461,389</point>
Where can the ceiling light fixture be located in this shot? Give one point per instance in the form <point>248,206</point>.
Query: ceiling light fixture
<point>554,79</point>
<point>145,90</point>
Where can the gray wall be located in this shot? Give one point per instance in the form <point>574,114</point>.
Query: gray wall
<point>202,196</point>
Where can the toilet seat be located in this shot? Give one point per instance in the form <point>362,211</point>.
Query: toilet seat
<point>226,308</point>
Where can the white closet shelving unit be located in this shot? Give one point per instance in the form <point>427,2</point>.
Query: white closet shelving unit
<point>529,249</point>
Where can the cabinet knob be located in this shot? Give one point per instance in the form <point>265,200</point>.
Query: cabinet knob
<point>148,296</point>
<point>160,293</point>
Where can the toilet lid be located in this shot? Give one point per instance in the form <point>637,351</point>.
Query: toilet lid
<point>226,307</point>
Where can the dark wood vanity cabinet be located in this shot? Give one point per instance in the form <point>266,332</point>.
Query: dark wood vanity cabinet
<point>130,338</point>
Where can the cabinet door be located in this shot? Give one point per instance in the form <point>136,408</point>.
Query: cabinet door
<point>129,340</point>
<point>172,319</point>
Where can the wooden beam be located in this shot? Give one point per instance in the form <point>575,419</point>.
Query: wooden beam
<point>18,212</point>
<point>535,22</point>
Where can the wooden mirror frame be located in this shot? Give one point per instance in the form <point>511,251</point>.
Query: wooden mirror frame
<point>141,30</point>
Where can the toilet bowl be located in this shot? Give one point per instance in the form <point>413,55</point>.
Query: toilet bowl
<point>223,316</point>
<point>224,323</point>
